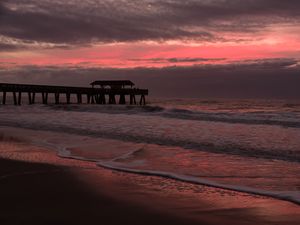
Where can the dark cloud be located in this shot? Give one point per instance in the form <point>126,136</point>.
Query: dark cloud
<point>267,78</point>
<point>178,60</point>
<point>67,25</point>
<point>7,47</point>
<point>76,21</point>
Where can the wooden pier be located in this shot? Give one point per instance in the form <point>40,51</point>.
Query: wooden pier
<point>106,93</point>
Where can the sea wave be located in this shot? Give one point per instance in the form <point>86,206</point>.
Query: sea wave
<point>224,148</point>
<point>284,119</point>
<point>261,118</point>
<point>190,129</point>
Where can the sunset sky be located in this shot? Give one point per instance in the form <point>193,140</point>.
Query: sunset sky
<point>240,48</point>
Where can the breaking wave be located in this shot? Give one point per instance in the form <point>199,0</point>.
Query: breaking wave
<point>284,119</point>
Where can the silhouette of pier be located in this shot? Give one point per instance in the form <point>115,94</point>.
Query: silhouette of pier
<point>101,92</point>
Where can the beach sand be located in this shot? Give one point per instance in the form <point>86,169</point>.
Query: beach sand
<point>38,187</point>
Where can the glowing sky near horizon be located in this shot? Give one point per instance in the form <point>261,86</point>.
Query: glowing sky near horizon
<point>149,33</point>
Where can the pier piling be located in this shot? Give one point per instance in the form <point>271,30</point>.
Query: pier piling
<point>56,96</point>
<point>4,98</point>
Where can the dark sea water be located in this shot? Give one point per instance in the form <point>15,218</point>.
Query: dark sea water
<point>244,145</point>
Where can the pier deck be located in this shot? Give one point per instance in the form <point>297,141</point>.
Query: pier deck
<point>93,95</point>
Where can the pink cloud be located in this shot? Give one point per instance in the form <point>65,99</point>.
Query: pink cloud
<point>276,43</point>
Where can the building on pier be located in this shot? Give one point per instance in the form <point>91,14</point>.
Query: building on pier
<point>113,84</point>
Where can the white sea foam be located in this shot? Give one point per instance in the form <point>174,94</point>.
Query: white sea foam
<point>281,195</point>
<point>287,196</point>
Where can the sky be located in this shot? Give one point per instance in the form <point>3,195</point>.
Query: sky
<point>192,48</point>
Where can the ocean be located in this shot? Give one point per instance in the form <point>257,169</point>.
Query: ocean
<point>250,146</point>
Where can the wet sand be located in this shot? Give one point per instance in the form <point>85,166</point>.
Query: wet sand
<point>37,187</point>
<point>45,194</point>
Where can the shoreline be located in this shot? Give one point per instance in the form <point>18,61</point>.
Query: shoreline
<point>83,185</point>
